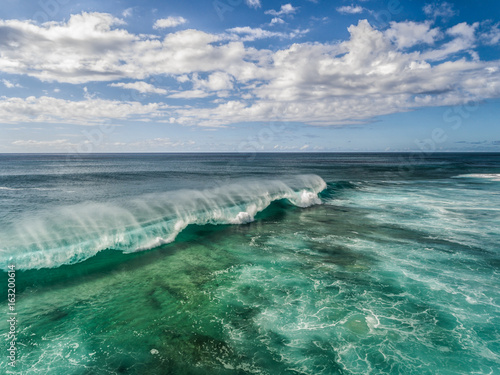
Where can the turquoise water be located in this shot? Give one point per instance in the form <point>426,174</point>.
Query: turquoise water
<point>278,264</point>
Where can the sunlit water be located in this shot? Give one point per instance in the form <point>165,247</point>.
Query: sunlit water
<point>278,264</point>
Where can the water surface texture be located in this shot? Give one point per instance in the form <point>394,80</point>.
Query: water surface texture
<point>265,264</point>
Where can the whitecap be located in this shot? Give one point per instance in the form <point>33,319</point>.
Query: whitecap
<point>71,234</point>
<point>485,176</point>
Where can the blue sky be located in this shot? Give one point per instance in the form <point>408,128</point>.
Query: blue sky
<point>249,75</point>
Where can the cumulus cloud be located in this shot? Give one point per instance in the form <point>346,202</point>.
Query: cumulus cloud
<point>363,77</point>
<point>74,48</point>
<point>285,9</point>
<point>463,39</point>
<point>190,94</point>
<point>140,86</point>
<point>89,48</point>
<point>371,73</point>
<point>128,12</point>
<point>140,145</point>
<point>246,34</point>
<point>215,82</point>
<point>492,35</point>
<point>443,10</point>
<point>276,21</point>
<point>253,3</point>
<point>463,30</point>
<point>9,84</point>
<point>350,9</point>
<point>149,144</point>
<point>29,142</point>
<point>86,112</point>
<point>169,22</point>
<point>408,34</point>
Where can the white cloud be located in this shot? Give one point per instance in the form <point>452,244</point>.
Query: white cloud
<point>369,74</point>
<point>88,48</point>
<point>74,48</point>
<point>464,39</point>
<point>182,78</point>
<point>9,84</point>
<point>443,10</point>
<point>87,95</point>
<point>86,112</point>
<point>351,82</point>
<point>463,30</point>
<point>190,94</point>
<point>141,86</point>
<point>492,36</point>
<point>322,19</point>
<point>285,9</point>
<point>246,34</point>
<point>169,22</point>
<point>58,143</point>
<point>148,144</point>
<point>141,145</point>
<point>253,3</point>
<point>215,82</point>
<point>127,12</point>
<point>276,20</point>
<point>293,148</point>
<point>409,33</point>
<point>350,9</point>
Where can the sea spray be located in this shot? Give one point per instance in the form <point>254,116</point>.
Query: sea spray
<point>72,234</point>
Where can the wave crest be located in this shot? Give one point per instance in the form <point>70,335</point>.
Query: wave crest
<point>485,176</point>
<point>72,234</point>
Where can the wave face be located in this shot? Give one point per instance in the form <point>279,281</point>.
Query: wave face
<point>71,234</point>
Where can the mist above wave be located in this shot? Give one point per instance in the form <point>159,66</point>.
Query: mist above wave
<point>71,234</point>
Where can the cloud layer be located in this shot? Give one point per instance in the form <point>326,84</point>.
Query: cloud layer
<point>169,22</point>
<point>372,73</point>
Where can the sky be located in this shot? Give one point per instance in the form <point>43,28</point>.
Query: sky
<point>249,76</point>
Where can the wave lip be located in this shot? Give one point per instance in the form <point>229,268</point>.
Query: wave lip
<point>72,234</point>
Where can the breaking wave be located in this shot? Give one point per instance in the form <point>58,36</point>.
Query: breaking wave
<point>485,176</point>
<point>71,234</point>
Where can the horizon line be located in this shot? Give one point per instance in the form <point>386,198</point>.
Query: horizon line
<point>427,153</point>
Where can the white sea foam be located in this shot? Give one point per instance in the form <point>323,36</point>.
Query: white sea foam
<point>14,189</point>
<point>307,199</point>
<point>242,218</point>
<point>72,234</point>
<point>486,176</point>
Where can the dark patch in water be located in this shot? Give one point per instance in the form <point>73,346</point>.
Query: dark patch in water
<point>57,314</point>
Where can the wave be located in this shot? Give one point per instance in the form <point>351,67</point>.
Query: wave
<point>71,234</point>
<point>485,176</point>
<point>15,189</point>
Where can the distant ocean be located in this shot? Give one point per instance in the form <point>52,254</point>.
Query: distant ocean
<point>252,264</point>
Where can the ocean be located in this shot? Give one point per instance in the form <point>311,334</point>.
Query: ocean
<point>309,263</point>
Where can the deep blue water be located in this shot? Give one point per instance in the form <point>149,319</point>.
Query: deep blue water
<point>266,263</point>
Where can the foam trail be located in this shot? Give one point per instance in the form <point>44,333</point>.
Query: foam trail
<point>72,234</point>
<point>485,176</point>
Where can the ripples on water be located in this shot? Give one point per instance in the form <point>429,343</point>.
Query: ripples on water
<point>392,273</point>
